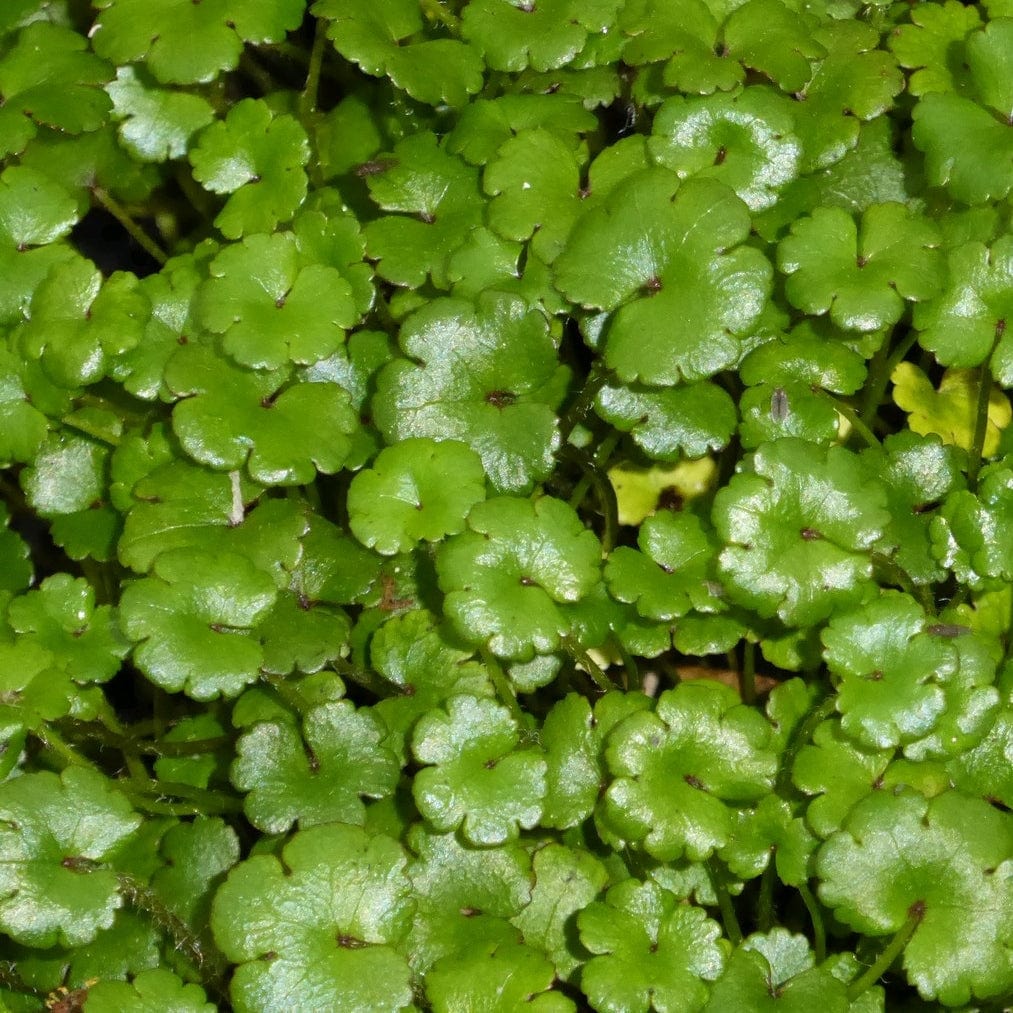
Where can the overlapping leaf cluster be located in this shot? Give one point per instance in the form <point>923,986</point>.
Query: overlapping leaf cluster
<point>522,516</point>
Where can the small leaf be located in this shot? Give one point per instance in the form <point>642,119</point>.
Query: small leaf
<point>187,43</point>
<point>329,918</point>
<point>192,621</point>
<point>651,952</point>
<point>56,837</point>
<point>507,577</point>
<point>666,258</point>
<point>479,779</point>
<point>901,857</point>
<point>317,777</point>
<point>861,276</point>
<point>679,773</point>
<point>417,490</point>
<point>257,158</point>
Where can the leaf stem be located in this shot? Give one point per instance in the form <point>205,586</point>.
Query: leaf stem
<point>728,917</point>
<point>594,670</point>
<point>52,740</point>
<point>582,403</point>
<point>594,474</point>
<point>890,953</point>
<point>802,734</point>
<point>977,450</point>
<point>308,98</point>
<point>207,801</point>
<point>895,574</point>
<point>436,12</point>
<point>631,673</point>
<point>504,690</point>
<point>363,677</point>
<point>207,962</point>
<point>851,415</point>
<point>119,212</point>
<point>816,917</point>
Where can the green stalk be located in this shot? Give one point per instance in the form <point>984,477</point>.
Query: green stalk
<point>207,962</point>
<point>728,916</point>
<point>581,405</point>
<point>436,12</point>
<point>977,450</point>
<point>504,690</point>
<point>308,98</point>
<point>594,474</point>
<point>851,415</point>
<point>816,917</point>
<point>582,658</point>
<point>206,800</point>
<point>52,740</point>
<point>892,951</point>
<point>803,733</point>
<point>119,212</point>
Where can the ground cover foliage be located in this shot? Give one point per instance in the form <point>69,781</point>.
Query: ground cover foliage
<point>506,504</point>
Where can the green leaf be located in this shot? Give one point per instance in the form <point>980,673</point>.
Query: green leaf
<point>270,311</point>
<point>34,210</point>
<point>918,473</point>
<point>651,952</point>
<point>56,837</point>
<point>535,183</point>
<point>967,322</point>
<point>685,35</point>
<point>49,79</point>
<point>417,490</point>
<point>688,420</point>
<point>197,856</point>
<point>303,634</point>
<point>767,36</point>
<point>889,670</point>
<point>862,276</point>
<point>499,977</point>
<point>464,895</point>
<point>485,374</point>
<point>671,574</point>
<point>775,973</point>
<point>79,323</point>
<point>566,880</point>
<point>257,158</point>
<point>192,621</point>
<point>573,739</point>
<point>786,376</point>
<point>427,667</point>
<point>838,772</point>
<point>855,82</point>
<point>486,124</point>
<point>679,772</point>
<point>329,918</point>
<point>666,258</point>
<point>799,526</point>
<point>16,569</point>
<point>317,777</point>
<point>745,139</point>
<point>477,779</point>
<point>932,46</point>
<point>372,34</point>
<point>440,203</point>
<point>514,34</point>
<point>986,770</point>
<point>968,149</point>
<point>157,123</point>
<point>184,43</point>
<point>507,576</point>
<point>229,418</point>
<point>151,991</point>
<point>941,863</point>
<point>61,618</point>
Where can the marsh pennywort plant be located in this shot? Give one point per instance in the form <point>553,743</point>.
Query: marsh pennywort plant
<point>506,504</point>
